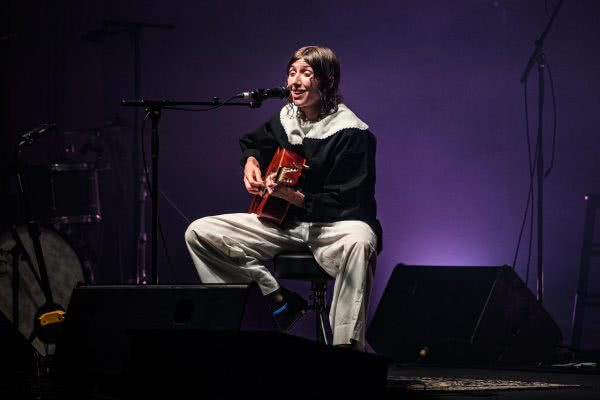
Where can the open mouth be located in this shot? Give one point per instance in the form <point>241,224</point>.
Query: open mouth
<point>298,93</point>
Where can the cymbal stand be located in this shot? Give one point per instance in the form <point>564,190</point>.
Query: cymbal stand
<point>50,311</point>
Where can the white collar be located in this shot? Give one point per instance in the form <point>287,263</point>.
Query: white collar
<point>331,124</point>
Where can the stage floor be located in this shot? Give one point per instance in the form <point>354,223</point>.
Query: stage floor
<point>516,383</point>
<point>420,382</point>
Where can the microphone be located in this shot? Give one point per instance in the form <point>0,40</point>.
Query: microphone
<point>28,138</point>
<point>261,94</point>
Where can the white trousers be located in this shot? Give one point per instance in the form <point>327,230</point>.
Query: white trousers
<point>232,248</point>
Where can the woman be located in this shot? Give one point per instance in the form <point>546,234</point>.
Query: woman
<point>333,214</point>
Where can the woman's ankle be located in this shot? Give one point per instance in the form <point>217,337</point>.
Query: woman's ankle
<point>276,296</point>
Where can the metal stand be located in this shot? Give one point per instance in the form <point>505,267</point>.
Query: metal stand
<point>319,305</point>
<point>537,57</point>
<point>154,108</point>
<point>49,315</point>
<point>134,29</point>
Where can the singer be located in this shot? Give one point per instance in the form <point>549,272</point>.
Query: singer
<point>334,214</point>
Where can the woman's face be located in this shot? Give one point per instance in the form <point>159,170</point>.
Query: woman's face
<point>304,87</point>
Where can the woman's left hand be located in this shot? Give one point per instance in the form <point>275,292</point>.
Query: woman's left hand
<point>284,192</point>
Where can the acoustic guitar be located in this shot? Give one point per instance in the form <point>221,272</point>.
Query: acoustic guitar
<point>288,168</point>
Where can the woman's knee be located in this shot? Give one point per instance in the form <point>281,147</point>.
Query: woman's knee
<point>359,234</point>
<point>197,229</point>
<point>362,242</point>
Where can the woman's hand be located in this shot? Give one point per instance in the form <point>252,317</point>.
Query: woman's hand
<point>253,177</point>
<point>284,192</point>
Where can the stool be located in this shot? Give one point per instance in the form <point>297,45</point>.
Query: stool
<point>303,267</point>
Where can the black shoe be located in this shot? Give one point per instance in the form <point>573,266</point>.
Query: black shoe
<point>288,312</point>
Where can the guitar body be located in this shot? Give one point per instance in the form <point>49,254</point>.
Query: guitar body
<point>288,167</point>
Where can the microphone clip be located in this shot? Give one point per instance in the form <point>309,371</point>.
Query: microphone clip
<point>28,138</point>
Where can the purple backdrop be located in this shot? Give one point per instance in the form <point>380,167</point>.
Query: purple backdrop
<point>437,81</point>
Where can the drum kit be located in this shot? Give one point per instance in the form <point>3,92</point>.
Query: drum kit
<point>64,202</point>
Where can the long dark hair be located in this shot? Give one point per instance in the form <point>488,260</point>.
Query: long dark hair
<point>324,63</point>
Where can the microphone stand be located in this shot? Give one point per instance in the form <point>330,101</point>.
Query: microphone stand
<point>154,108</point>
<point>537,57</point>
<point>135,30</point>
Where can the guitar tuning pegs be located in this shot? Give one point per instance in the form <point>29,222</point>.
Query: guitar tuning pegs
<point>301,165</point>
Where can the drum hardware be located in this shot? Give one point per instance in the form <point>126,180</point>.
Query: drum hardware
<point>49,317</point>
<point>73,178</point>
<point>65,272</point>
<point>78,236</point>
<point>88,143</point>
<point>74,194</point>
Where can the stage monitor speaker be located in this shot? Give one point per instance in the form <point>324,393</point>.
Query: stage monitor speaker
<point>247,364</point>
<point>149,341</point>
<point>96,336</point>
<point>461,315</point>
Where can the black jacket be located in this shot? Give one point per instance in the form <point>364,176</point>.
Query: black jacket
<point>340,151</point>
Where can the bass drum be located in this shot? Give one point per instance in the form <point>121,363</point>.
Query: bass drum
<point>65,272</point>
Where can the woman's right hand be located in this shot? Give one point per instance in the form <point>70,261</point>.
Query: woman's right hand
<point>253,177</point>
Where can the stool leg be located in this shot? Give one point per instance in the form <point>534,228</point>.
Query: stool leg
<point>321,331</point>
<point>319,305</point>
